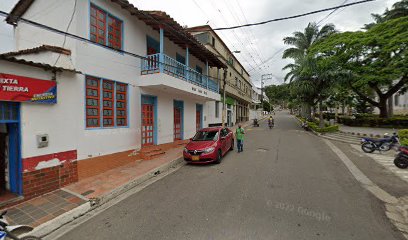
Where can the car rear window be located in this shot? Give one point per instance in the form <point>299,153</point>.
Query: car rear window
<point>206,136</point>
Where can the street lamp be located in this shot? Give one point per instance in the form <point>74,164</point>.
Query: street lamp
<point>264,77</point>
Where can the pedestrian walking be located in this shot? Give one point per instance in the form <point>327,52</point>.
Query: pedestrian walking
<point>239,133</point>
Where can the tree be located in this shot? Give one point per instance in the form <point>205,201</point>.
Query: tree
<point>277,94</point>
<point>299,71</point>
<point>375,60</point>
<point>399,9</point>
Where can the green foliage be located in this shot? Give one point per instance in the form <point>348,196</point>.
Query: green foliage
<point>370,61</point>
<point>399,9</point>
<point>374,121</point>
<point>278,94</point>
<point>375,57</point>
<point>316,128</point>
<point>404,142</point>
<point>306,85</point>
<point>403,137</point>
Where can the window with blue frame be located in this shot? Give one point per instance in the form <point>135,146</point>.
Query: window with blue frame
<point>106,103</point>
<point>153,46</point>
<point>105,29</point>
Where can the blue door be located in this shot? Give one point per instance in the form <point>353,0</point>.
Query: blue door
<point>10,159</point>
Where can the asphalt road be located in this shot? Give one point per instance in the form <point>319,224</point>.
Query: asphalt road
<point>287,184</point>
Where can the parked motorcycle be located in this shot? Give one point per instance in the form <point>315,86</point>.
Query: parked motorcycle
<point>401,160</point>
<point>256,123</point>
<point>369,145</point>
<point>13,232</point>
<point>305,126</point>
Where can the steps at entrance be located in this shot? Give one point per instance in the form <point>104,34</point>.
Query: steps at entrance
<point>343,137</point>
<point>149,153</point>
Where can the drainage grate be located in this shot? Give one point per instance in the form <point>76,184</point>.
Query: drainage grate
<point>87,192</point>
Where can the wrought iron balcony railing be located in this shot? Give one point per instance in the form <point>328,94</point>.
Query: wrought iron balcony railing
<point>152,64</point>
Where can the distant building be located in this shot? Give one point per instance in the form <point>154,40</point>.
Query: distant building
<point>238,84</point>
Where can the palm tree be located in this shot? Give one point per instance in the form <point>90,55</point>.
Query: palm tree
<point>302,68</point>
<point>302,41</point>
<point>399,9</point>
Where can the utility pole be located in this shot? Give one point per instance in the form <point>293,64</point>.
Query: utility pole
<point>224,108</point>
<point>264,77</point>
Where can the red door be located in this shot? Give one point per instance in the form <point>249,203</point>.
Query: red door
<point>177,124</point>
<point>198,120</point>
<point>147,124</point>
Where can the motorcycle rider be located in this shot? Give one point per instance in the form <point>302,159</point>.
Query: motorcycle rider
<point>270,121</point>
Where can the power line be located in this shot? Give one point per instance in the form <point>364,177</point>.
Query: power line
<point>244,32</point>
<point>249,29</point>
<point>328,15</point>
<point>295,16</point>
<point>214,5</point>
<point>69,25</point>
<point>223,35</point>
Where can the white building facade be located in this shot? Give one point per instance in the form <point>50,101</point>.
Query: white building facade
<point>124,79</point>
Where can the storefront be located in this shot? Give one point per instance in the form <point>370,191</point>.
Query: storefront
<point>14,91</point>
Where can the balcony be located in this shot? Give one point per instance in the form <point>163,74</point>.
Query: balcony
<point>178,76</point>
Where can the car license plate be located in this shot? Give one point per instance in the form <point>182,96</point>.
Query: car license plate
<point>195,158</point>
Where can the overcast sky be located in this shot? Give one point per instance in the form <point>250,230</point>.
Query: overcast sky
<point>260,43</point>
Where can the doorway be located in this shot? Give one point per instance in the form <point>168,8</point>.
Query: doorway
<point>10,160</point>
<point>199,116</point>
<point>178,120</point>
<point>148,120</point>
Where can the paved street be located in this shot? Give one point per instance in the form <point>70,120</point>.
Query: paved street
<point>287,184</point>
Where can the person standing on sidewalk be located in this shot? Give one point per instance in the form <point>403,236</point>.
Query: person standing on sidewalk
<point>239,133</point>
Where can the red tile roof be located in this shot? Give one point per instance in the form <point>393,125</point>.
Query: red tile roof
<point>39,49</point>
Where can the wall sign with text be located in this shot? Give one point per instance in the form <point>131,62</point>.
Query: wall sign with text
<point>24,89</point>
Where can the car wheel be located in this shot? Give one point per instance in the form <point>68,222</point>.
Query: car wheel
<point>219,156</point>
<point>232,145</point>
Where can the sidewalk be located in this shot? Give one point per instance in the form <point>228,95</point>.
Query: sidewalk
<point>367,130</point>
<point>52,210</point>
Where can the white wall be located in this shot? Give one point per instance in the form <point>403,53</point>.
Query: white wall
<point>209,112</point>
<point>165,115</point>
<point>6,30</point>
<point>65,121</point>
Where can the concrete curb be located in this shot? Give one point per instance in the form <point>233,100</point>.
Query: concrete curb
<point>361,134</point>
<point>56,223</point>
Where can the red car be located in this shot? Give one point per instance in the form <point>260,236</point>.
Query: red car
<point>209,145</point>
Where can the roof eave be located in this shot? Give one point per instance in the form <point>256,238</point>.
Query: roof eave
<point>18,11</point>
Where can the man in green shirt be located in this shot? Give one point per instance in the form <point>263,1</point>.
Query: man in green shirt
<point>239,133</point>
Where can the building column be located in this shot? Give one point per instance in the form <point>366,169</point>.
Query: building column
<point>187,63</point>
<point>161,56</point>
<point>206,71</point>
